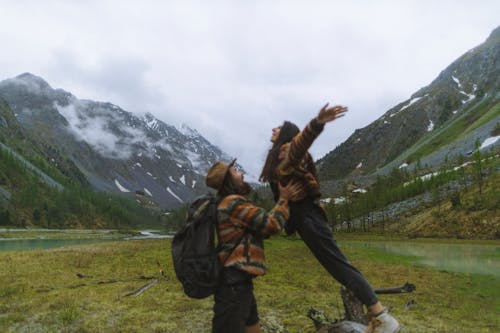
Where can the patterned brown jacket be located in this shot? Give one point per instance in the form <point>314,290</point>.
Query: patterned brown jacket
<point>296,163</point>
<point>240,221</point>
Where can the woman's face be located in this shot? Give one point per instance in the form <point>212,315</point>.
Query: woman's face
<point>276,134</point>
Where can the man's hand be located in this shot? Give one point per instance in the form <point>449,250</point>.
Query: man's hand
<point>292,191</point>
<point>328,114</point>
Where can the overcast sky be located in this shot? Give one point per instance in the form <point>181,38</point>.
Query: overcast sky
<point>235,69</point>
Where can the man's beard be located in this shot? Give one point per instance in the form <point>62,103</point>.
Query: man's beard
<point>244,189</point>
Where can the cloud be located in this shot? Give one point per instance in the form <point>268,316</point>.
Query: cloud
<point>235,69</point>
<point>95,130</point>
<point>114,77</point>
<point>31,86</point>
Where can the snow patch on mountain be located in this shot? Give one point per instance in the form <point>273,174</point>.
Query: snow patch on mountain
<point>489,141</point>
<point>457,81</point>
<point>430,127</point>
<point>121,187</point>
<point>152,123</point>
<point>470,96</point>
<point>412,101</point>
<point>174,195</point>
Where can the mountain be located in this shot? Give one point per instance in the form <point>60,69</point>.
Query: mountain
<point>138,156</point>
<point>438,122</point>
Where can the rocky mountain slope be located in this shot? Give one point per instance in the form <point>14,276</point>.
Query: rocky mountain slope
<point>438,122</point>
<point>114,150</point>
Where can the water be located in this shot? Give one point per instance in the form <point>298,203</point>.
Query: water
<point>21,244</point>
<point>465,258</point>
<point>149,234</point>
<point>44,240</point>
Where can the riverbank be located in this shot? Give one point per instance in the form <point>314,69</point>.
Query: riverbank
<point>39,233</point>
<point>373,236</point>
<point>40,290</point>
<point>31,239</point>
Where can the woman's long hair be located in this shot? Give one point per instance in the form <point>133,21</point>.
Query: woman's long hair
<point>287,132</point>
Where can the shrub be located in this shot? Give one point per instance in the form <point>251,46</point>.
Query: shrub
<point>455,200</point>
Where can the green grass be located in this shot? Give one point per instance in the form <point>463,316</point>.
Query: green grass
<point>495,255</point>
<point>481,115</point>
<point>493,113</point>
<point>40,292</point>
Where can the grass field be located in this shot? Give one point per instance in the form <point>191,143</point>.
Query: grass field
<point>40,291</point>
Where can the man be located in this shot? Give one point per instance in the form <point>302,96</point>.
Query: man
<point>241,228</point>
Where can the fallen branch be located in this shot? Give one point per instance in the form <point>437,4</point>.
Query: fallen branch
<point>81,275</point>
<point>45,289</point>
<point>92,283</point>
<point>143,288</point>
<point>406,288</point>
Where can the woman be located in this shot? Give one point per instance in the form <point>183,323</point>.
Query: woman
<point>241,228</point>
<point>289,160</point>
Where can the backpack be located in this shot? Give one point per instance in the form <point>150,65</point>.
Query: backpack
<point>194,253</point>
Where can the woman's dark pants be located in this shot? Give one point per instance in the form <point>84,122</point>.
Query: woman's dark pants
<point>310,221</point>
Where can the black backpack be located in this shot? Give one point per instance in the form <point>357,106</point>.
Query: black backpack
<point>194,252</point>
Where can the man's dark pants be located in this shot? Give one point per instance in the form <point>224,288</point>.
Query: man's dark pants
<point>235,306</point>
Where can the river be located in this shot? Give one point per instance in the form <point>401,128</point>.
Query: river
<point>453,257</point>
<point>50,238</point>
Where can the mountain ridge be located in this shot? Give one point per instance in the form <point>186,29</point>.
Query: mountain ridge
<point>116,150</point>
<point>467,89</point>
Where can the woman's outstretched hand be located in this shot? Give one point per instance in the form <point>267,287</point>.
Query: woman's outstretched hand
<point>328,114</point>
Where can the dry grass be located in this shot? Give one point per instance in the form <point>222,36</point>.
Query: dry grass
<point>40,292</point>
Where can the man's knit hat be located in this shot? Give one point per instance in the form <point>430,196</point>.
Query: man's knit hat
<point>217,174</point>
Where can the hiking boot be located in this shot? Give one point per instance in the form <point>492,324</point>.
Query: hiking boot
<point>383,323</point>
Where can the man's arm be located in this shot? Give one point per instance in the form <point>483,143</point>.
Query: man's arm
<point>243,213</point>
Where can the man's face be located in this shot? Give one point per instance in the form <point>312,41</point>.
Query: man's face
<point>236,175</point>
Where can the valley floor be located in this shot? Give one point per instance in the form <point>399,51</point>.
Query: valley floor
<point>41,292</point>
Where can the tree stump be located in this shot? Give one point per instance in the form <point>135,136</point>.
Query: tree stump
<point>355,319</point>
<point>353,307</point>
